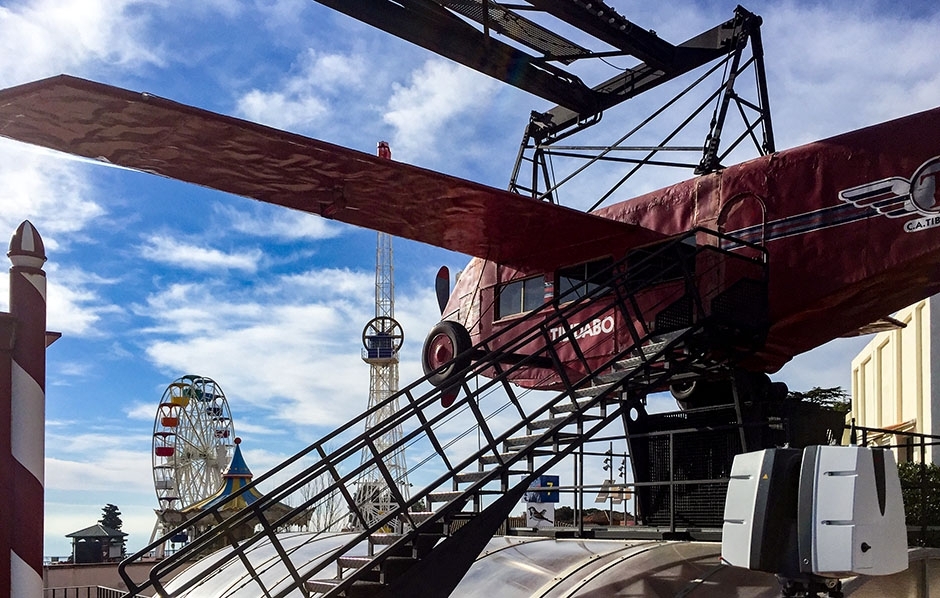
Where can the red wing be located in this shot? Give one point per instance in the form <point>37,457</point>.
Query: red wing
<point>151,134</point>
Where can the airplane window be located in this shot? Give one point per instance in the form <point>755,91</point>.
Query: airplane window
<point>521,296</point>
<point>570,278</point>
<point>533,293</point>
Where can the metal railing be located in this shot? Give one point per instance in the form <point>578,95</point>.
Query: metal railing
<point>421,418</point>
<point>921,505</point>
<point>921,496</point>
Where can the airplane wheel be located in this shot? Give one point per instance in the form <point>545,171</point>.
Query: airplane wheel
<point>701,393</point>
<point>683,391</point>
<point>447,344</point>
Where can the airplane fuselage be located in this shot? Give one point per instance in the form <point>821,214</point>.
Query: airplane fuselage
<point>851,225</point>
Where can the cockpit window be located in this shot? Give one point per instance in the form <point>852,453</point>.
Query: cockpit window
<point>575,277</point>
<point>521,296</point>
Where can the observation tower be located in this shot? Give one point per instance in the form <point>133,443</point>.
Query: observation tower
<point>379,492</point>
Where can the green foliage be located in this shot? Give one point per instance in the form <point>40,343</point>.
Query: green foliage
<point>111,517</point>
<point>834,399</point>
<point>920,487</point>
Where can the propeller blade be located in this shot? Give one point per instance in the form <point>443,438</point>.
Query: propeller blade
<point>442,287</point>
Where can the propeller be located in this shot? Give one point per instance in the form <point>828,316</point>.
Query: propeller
<point>442,287</point>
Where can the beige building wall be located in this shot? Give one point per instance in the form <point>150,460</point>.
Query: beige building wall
<point>893,378</point>
<point>60,576</point>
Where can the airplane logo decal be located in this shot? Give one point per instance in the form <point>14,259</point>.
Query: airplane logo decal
<point>893,197</point>
<point>897,197</point>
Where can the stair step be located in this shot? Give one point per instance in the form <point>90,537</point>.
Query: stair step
<point>421,516</point>
<point>648,351</point>
<point>543,424</point>
<point>568,407</point>
<point>614,376</point>
<point>492,459</point>
<point>521,440</point>
<point>386,539</point>
<point>444,496</point>
<point>322,586</point>
<point>353,562</point>
<point>592,391</point>
<point>472,476</point>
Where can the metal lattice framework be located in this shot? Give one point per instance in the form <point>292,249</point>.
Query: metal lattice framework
<point>524,44</point>
<point>381,339</point>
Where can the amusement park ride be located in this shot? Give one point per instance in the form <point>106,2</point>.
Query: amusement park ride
<point>193,443</point>
<point>703,287</point>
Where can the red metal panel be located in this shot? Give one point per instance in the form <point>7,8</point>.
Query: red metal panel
<point>834,266</point>
<point>151,134</point>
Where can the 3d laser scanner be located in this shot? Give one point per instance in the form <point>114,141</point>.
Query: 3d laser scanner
<point>815,515</point>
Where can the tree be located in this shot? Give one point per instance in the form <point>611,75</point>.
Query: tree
<point>834,399</point>
<point>920,484</point>
<point>111,517</point>
<point>564,514</point>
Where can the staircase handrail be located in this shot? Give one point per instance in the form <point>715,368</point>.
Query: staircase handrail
<point>557,309</point>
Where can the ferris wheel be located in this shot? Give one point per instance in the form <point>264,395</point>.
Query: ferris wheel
<point>193,442</point>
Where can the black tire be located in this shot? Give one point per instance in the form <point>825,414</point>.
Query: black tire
<point>701,393</point>
<point>446,352</point>
<point>683,391</point>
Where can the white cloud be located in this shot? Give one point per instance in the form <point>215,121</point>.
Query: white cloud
<point>48,37</point>
<point>176,251</point>
<point>289,348</point>
<point>439,93</point>
<point>50,192</point>
<point>280,109</point>
<point>885,67</point>
<point>303,99</point>
<point>277,224</point>
<point>188,309</point>
<point>141,411</point>
<point>97,472</point>
<point>101,466</point>
<point>74,306</point>
<point>74,303</point>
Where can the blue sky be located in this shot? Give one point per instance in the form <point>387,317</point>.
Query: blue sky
<point>150,279</point>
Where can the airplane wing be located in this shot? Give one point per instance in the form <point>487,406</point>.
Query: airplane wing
<point>143,132</point>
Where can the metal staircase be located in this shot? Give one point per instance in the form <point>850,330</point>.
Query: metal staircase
<point>427,544</point>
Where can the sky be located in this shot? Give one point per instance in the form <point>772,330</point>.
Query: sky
<point>151,279</point>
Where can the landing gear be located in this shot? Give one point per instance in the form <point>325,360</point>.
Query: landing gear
<point>755,386</point>
<point>446,352</point>
<point>701,393</point>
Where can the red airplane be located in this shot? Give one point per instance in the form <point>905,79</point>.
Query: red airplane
<point>851,224</point>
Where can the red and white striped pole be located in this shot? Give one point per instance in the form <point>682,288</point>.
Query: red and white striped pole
<point>28,410</point>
